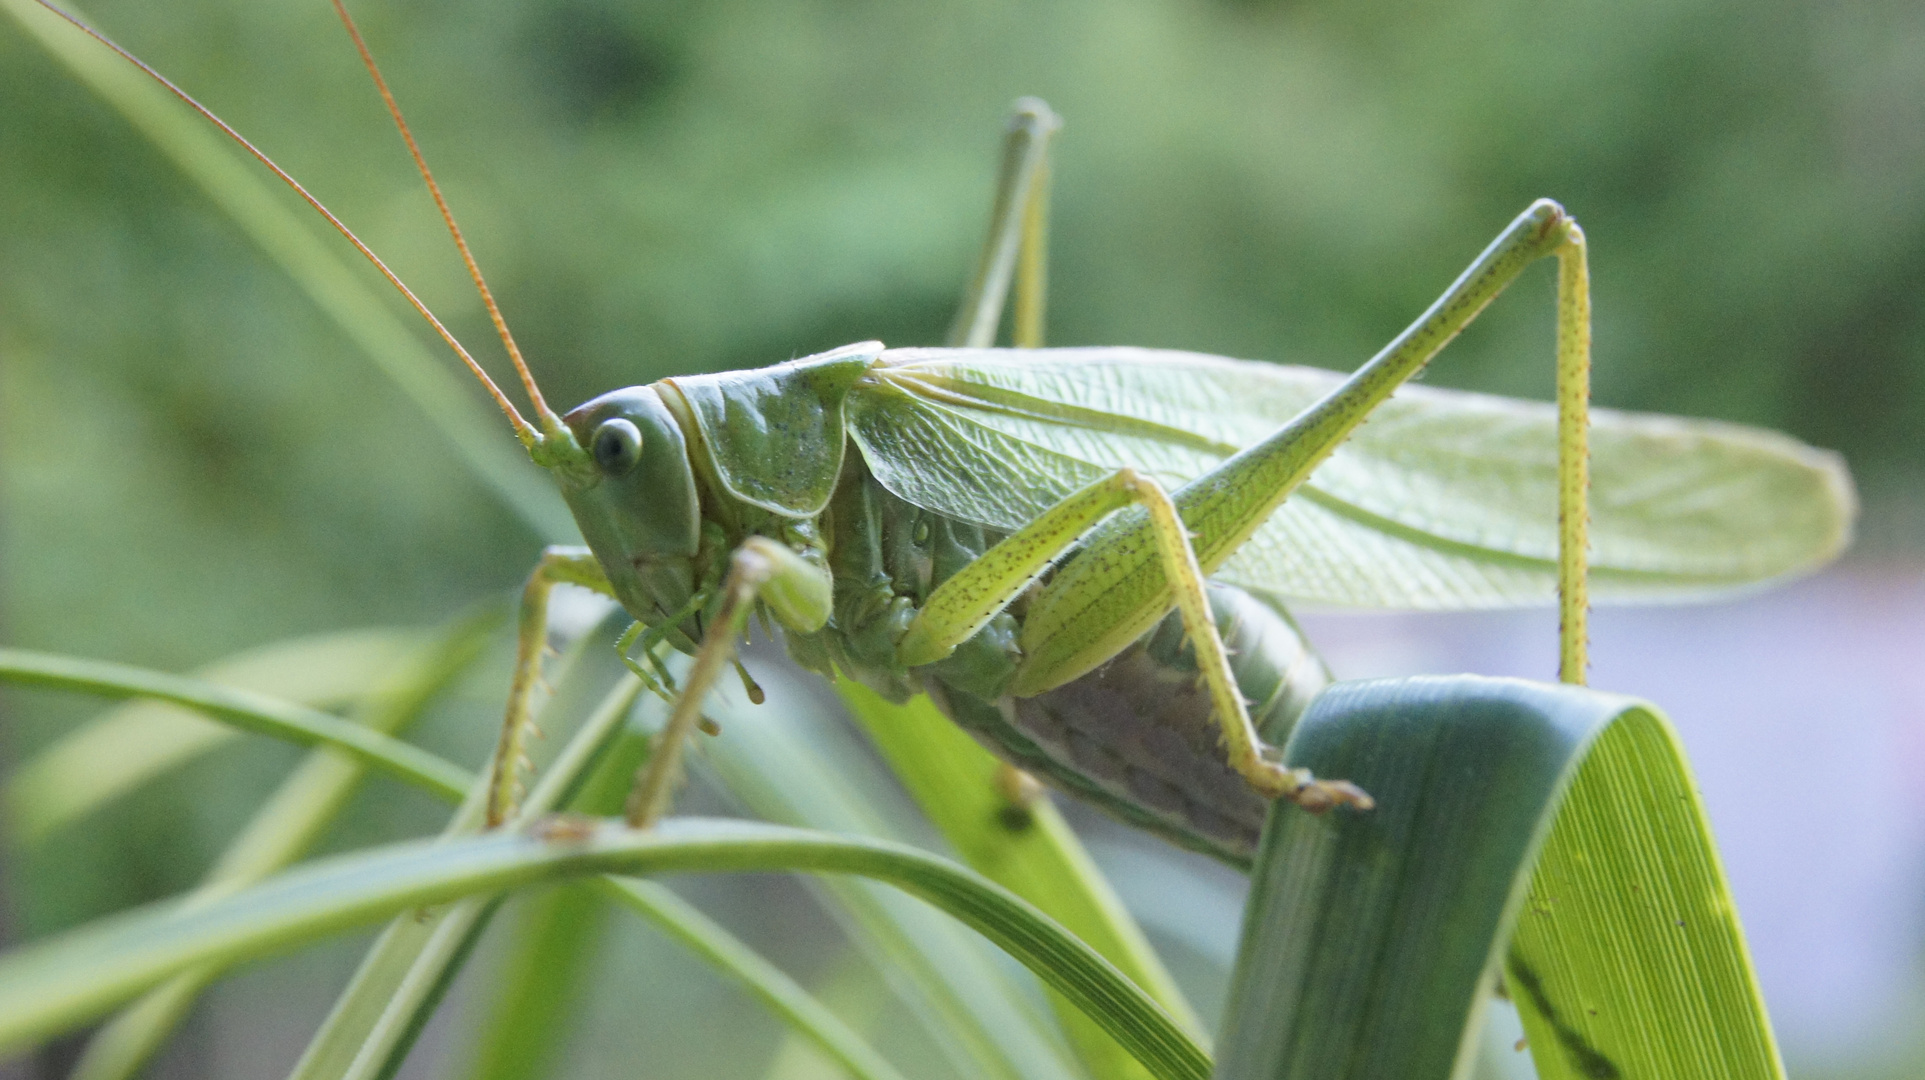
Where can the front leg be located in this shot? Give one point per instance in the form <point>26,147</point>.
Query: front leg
<point>966,602</point>
<point>575,566</point>
<point>796,591</point>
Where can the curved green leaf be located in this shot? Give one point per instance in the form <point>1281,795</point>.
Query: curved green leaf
<point>782,995</point>
<point>1029,850</point>
<point>132,743</point>
<point>782,763</point>
<point>245,710</point>
<point>369,1031</point>
<point>286,825</point>
<point>1628,958</point>
<point>49,986</point>
<point>528,1022</point>
<point>1374,941</point>
<point>1442,499</point>
<point>403,976</point>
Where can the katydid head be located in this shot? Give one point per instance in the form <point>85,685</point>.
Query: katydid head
<point>634,499</point>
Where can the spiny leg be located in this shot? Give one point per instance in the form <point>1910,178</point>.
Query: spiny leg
<point>965,602</point>
<point>761,570</point>
<point>574,566</point>
<point>1573,455</point>
<point>1016,247</point>
<point>1064,636</point>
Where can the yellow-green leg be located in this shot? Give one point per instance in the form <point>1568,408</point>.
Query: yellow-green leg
<point>1016,248</point>
<point>796,591</point>
<point>1573,454</point>
<point>1117,589</point>
<point>574,566</point>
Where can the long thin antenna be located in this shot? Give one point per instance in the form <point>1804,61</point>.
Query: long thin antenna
<point>523,430</point>
<point>474,269</point>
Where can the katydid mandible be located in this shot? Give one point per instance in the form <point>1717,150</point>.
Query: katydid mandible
<point>1031,535</point>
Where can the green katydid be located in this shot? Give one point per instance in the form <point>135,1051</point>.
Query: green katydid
<point>1010,530</point>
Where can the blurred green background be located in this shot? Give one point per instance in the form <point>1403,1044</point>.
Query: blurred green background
<point>194,461</point>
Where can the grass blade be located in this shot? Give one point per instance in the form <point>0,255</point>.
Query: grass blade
<point>287,824</point>
<point>128,745</point>
<point>1373,942</point>
<point>401,980</point>
<point>555,938</point>
<point>49,986</point>
<point>528,1020</point>
<point>785,767</point>
<point>248,711</point>
<point>784,996</point>
<point>1032,853</point>
<point>371,1029</point>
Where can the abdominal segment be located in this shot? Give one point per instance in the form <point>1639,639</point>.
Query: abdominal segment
<point>1136,736</point>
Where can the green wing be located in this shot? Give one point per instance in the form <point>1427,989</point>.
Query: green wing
<point>1442,499</point>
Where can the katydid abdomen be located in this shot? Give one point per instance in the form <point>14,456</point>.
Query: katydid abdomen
<point>1137,735</point>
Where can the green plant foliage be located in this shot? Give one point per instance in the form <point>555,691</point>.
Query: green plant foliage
<point>404,976</point>
<point>789,770</point>
<point>1628,955</point>
<point>1027,849</point>
<point>49,986</point>
<point>243,709</point>
<point>287,825</point>
<point>1374,942</point>
<point>132,744</point>
<point>537,993</point>
<point>781,994</point>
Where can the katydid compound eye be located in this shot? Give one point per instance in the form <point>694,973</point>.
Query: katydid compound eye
<point>618,446</point>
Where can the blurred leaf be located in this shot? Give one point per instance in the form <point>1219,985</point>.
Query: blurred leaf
<point>403,976</point>
<point>127,745</point>
<point>400,982</point>
<point>243,709</point>
<point>49,986</point>
<point>781,994</point>
<point>798,766</point>
<point>400,979</point>
<point>528,1019</point>
<point>554,937</point>
<point>848,990</point>
<point>287,824</point>
<point>1029,850</point>
<point>1373,942</point>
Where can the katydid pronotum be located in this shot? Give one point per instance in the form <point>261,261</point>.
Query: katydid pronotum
<point>1012,530</point>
